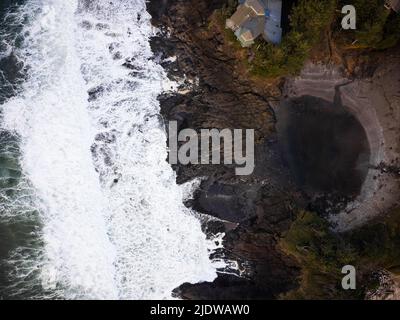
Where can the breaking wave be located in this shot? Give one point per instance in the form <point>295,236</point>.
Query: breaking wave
<point>103,216</point>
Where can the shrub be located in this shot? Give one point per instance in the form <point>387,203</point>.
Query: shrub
<point>308,19</point>
<point>377,27</point>
<point>322,253</point>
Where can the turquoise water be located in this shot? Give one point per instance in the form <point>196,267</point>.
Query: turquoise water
<point>19,225</point>
<point>14,232</point>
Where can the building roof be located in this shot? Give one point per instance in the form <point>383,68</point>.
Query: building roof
<point>252,28</point>
<point>257,17</point>
<point>257,5</point>
<point>272,32</point>
<point>242,14</point>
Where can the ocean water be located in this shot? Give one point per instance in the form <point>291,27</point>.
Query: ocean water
<point>89,206</point>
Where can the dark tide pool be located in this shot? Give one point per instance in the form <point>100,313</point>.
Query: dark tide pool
<point>325,147</point>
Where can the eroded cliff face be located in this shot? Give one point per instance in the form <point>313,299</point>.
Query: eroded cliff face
<point>215,92</point>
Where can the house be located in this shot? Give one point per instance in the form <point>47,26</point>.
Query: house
<point>254,18</point>
<point>393,4</point>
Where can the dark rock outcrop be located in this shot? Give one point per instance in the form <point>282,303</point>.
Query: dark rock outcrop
<point>214,94</point>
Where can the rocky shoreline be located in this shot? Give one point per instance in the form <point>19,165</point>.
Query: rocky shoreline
<point>261,205</point>
<point>258,209</point>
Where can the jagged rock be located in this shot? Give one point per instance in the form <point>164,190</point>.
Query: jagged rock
<point>219,97</point>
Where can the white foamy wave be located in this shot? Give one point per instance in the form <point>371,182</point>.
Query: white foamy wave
<point>113,222</point>
<point>51,117</point>
<point>159,241</point>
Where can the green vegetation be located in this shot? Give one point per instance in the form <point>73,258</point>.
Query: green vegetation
<point>377,27</point>
<point>322,253</point>
<point>220,19</point>
<point>310,21</point>
<point>378,244</point>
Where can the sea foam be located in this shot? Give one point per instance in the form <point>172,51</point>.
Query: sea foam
<point>113,223</point>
